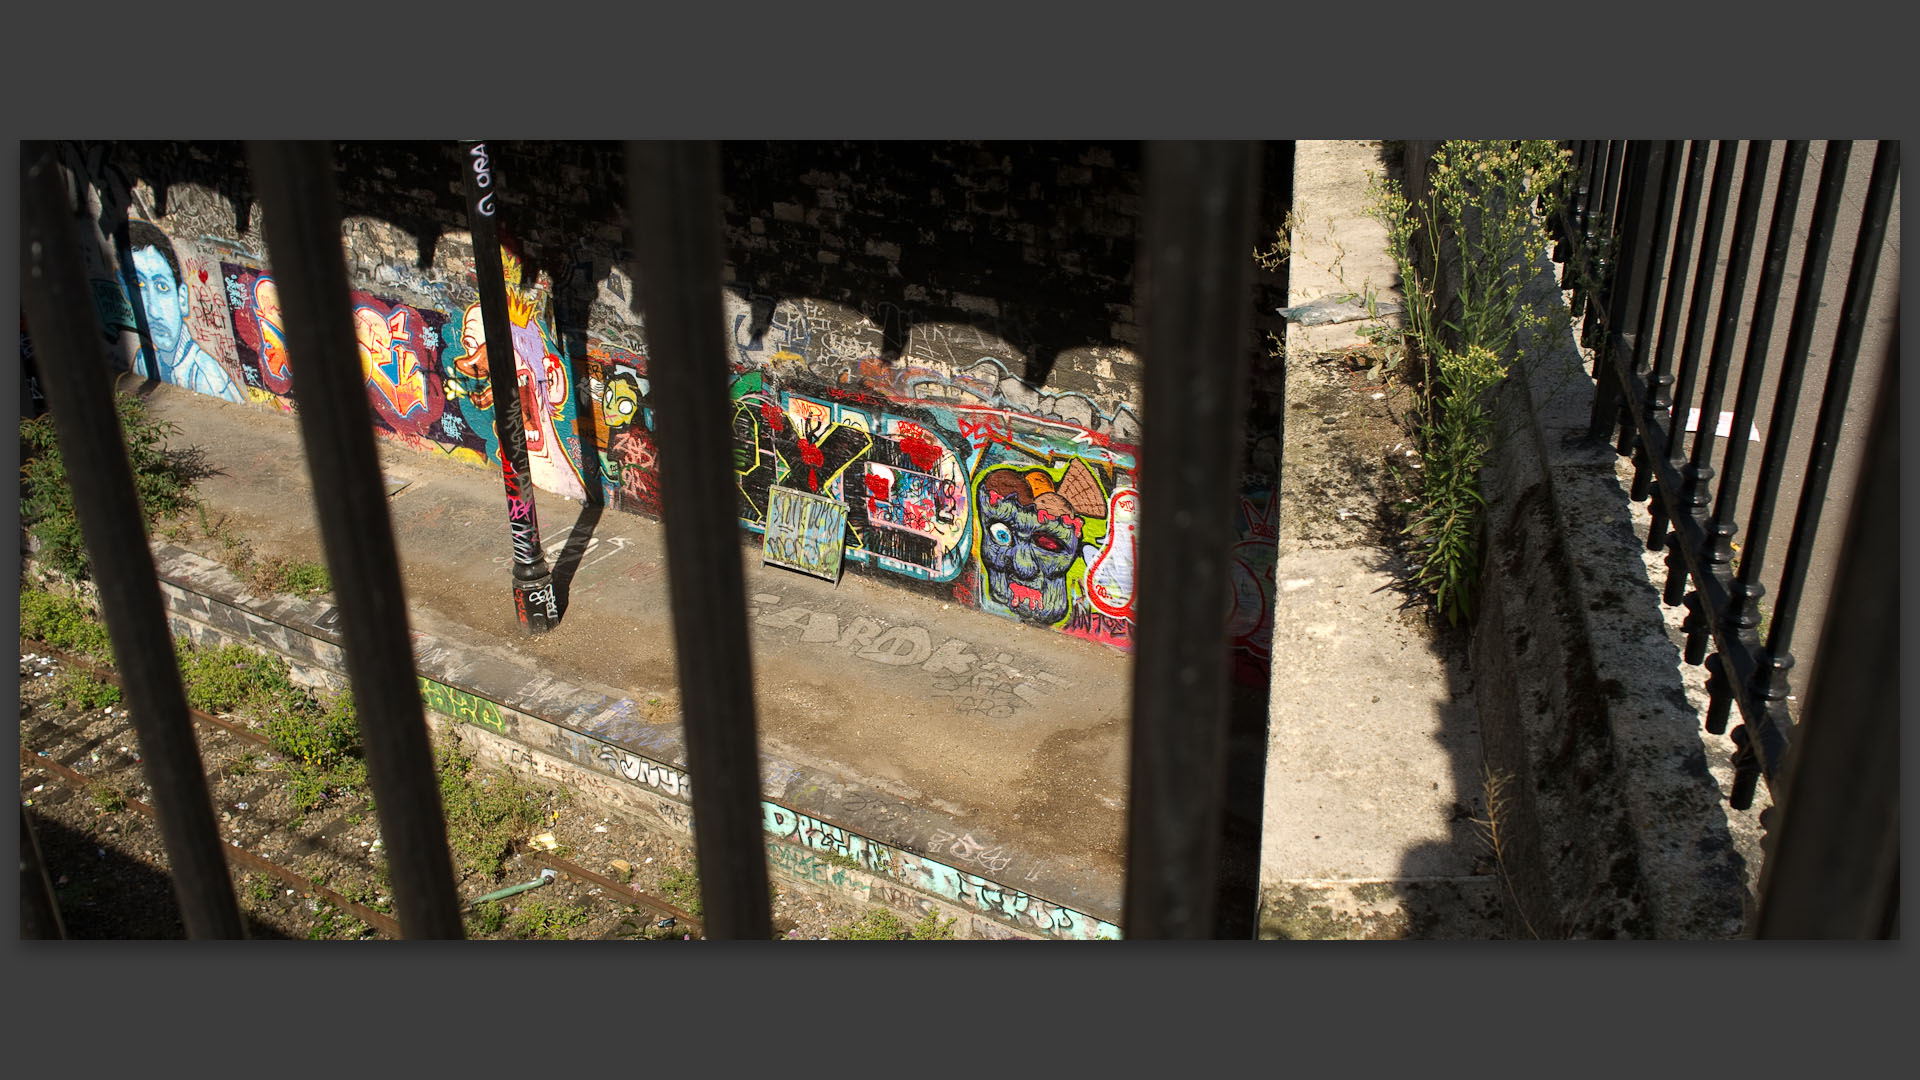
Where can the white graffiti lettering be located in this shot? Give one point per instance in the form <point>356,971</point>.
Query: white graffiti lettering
<point>661,777</point>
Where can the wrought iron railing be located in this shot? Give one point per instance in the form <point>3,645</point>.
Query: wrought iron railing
<point>1640,268</point>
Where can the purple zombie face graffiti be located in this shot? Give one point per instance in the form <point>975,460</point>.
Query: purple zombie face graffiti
<point>1029,539</point>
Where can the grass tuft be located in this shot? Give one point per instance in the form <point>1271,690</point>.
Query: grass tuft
<point>485,812</point>
<point>879,924</point>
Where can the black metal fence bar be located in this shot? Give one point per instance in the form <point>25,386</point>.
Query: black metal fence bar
<point>1592,188</point>
<point>1720,361</point>
<point>673,191</point>
<point>1723,527</point>
<point>1778,656</point>
<point>1622,301</point>
<point>1645,324</point>
<point>301,222</point>
<point>1660,375</point>
<point>1793,364</point>
<point>1688,542</point>
<point>1705,270</point>
<point>1570,220</point>
<point>39,912</point>
<point>1605,254</point>
<point>1835,864</point>
<point>1698,305</point>
<point>1699,473</point>
<point>1746,588</point>
<point>1199,226</point>
<point>1753,367</point>
<point>73,372</point>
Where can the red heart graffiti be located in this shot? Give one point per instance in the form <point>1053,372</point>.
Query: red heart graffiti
<point>203,277</point>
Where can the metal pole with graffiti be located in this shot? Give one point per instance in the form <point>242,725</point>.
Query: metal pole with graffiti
<point>533,598</point>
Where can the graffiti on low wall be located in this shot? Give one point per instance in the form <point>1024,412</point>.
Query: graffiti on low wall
<point>791,831</point>
<point>462,706</point>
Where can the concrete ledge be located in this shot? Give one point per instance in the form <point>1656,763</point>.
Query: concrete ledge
<point>627,757</point>
<point>1613,824</point>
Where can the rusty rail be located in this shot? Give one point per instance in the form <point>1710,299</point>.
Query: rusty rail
<point>385,924</point>
<point>607,884</point>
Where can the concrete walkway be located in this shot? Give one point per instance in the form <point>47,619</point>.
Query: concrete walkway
<point>1373,766</point>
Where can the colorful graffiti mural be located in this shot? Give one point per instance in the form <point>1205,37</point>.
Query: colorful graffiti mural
<point>1005,511</point>
<point>161,287</point>
<point>547,405</point>
<point>1033,526</point>
<point>623,427</point>
<point>955,475</point>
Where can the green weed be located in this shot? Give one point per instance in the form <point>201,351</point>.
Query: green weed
<point>303,579</point>
<point>320,739</point>
<point>546,920</point>
<point>260,888</point>
<point>880,924</point>
<point>368,895</point>
<point>262,573</point>
<point>681,888</point>
<point>484,814</point>
<point>64,623</point>
<point>488,918</point>
<point>1482,213</point>
<point>233,678</point>
<point>79,690</point>
<point>46,495</point>
<point>331,924</point>
<point>106,798</point>
<point>320,736</point>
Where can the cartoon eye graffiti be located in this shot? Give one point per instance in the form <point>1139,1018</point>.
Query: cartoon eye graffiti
<point>1048,542</point>
<point>1000,533</point>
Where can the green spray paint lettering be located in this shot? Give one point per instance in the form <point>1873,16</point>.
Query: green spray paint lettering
<point>461,705</point>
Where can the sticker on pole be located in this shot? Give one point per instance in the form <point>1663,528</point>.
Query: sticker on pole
<point>805,532</point>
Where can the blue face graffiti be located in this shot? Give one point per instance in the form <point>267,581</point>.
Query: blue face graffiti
<point>181,360</point>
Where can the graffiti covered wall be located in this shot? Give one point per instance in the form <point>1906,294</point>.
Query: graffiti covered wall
<point>982,454</point>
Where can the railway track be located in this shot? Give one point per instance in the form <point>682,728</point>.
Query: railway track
<point>382,923</point>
